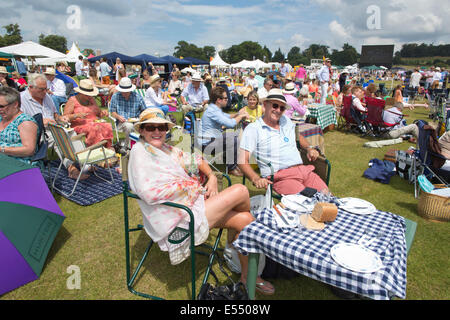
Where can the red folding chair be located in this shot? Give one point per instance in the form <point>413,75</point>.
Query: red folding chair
<point>345,119</point>
<point>375,108</point>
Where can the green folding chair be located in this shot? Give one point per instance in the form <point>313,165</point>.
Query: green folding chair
<point>91,155</point>
<point>177,236</point>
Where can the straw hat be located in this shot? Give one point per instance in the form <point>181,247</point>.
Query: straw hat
<point>152,115</point>
<point>125,85</point>
<point>3,70</point>
<point>196,77</point>
<point>154,78</point>
<point>50,71</point>
<point>275,95</point>
<point>290,88</point>
<point>86,87</point>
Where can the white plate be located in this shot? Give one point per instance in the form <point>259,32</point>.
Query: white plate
<point>357,206</point>
<point>356,257</point>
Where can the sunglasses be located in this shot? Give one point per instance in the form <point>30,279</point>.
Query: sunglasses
<point>5,105</point>
<point>160,128</point>
<point>224,98</point>
<point>276,106</point>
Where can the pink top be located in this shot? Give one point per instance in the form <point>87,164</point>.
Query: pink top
<point>301,73</point>
<point>294,105</point>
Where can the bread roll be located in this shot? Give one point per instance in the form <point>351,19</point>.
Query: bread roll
<point>324,212</point>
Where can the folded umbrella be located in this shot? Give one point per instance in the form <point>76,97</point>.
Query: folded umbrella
<point>30,219</point>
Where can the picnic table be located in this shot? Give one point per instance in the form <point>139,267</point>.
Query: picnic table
<point>325,114</point>
<point>308,252</point>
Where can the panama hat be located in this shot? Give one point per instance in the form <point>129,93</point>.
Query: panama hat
<point>3,70</point>
<point>289,88</point>
<point>50,71</point>
<point>86,87</point>
<point>154,78</point>
<point>152,115</point>
<point>125,85</point>
<point>275,95</point>
<point>196,77</point>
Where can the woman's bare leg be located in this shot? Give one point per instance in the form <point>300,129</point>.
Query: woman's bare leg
<point>231,209</point>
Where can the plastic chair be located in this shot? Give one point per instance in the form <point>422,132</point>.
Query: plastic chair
<point>87,156</point>
<point>177,236</point>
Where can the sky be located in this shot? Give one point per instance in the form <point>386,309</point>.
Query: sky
<point>154,27</point>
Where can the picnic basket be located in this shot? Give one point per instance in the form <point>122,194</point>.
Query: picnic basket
<point>434,207</point>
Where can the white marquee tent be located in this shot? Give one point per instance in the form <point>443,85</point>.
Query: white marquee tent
<point>218,62</point>
<point>32,49</point>
<point>71,56</point>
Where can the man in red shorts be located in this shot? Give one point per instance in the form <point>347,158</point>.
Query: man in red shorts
<point>271,139</point>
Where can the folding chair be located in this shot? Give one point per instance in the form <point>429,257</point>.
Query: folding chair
<point>423,158</point>
<point>113,122</point>
<point>40,156</point>
<point>375,109</point>
<point>87,156</point>
<point>345,116</point>
<point>177,236</point>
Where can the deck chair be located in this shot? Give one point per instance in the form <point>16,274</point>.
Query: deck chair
<point>88,156</point>
<point>425,156</point>
<point>178,235</point>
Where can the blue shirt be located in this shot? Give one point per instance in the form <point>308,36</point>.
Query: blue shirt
<point>21,67</point>
<point>130,108</point>
<point>211,123</point>
<point>268,145</point>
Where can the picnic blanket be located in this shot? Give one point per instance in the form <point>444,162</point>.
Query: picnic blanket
<point>89,191</point>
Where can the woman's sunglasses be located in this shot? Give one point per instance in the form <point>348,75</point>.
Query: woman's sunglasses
<point>160,128</point>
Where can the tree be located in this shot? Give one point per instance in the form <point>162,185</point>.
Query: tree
<point>185,49</point>
<point>12,36</point>
<point>248,50</point>
<point>316,51</point>
<point>295,57</point>
<point>278,56</point>
<point>58,43</point>
<point>267,54</point>
<point>347,56</point>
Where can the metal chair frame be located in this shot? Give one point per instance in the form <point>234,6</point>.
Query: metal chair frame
<point>177,236</point>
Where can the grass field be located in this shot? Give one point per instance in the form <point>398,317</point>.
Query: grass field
<point>92,238</point>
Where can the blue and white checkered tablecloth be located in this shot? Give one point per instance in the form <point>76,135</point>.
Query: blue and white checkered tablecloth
<point>308,252</point>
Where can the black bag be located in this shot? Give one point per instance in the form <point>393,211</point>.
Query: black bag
<point>231,291</point>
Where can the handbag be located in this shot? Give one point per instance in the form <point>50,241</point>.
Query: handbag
<point>230,291</point>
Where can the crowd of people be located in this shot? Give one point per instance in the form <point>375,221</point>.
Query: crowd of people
<point>159,172</point>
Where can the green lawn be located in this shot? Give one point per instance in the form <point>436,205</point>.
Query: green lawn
<point>92,238</point>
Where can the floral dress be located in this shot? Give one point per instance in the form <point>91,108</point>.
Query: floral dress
<point>10,136</point>
<point>168,175</point>
<point>95,131</point>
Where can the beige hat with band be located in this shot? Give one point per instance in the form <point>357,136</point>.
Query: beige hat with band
<point>152,115</point>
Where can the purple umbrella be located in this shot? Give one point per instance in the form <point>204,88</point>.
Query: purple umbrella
<point>30,218</point>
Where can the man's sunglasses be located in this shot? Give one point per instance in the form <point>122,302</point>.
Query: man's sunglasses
<point>160,128</point>
<point>276,106</point>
